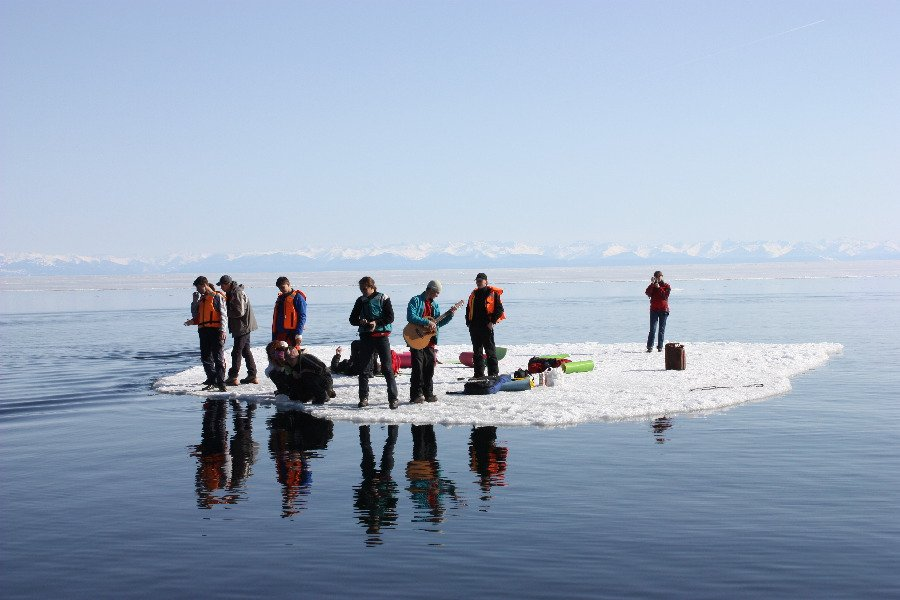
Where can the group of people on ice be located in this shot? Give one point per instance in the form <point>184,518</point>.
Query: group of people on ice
<point>302,376</point>
<point>292,370</point>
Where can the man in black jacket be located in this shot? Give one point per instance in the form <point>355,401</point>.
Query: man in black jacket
<point>373,314</point>
<point>483,311</point>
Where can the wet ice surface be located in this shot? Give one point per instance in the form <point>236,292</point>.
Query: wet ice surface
<point>626,383</point>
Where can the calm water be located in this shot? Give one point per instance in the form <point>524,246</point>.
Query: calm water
<point>108,489</point>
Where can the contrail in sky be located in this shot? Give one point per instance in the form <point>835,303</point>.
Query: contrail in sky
<point>739,46</point>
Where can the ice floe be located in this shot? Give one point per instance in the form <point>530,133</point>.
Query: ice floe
<point>626,383</point>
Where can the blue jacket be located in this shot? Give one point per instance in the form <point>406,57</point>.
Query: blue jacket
<point>278,315</point>
<point>416,308</point>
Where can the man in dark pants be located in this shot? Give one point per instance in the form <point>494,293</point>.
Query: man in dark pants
<point>423,310</point>
<point>484,311</point>
<point>241,321</point>
<point>208,314</point>
<point>373,314</point>
<point>658,291</point>
<point>376,497</point>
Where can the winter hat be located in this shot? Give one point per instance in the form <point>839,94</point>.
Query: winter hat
<point>435,285</point>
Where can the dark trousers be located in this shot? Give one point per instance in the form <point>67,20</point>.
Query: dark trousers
<point>483,343</point>
<point>422,380</point>
<point>369,346</point>
<point>212,353</point>
<point>660,316</point>
<point>241,348</point>
<point>424,442</point>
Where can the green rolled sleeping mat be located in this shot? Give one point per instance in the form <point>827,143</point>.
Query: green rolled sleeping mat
<point>551,355</point>
<point>581,366</point>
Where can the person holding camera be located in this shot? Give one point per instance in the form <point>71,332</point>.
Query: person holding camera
<point>373,315</point>
<point>658,292</point>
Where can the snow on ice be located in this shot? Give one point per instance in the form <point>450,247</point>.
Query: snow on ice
<point>627,383</point>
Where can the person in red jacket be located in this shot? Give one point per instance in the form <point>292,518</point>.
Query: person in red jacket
<point>658,292</point>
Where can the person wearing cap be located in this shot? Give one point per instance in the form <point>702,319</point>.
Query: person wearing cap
<point>208,313</point>
<point>423,310</point>
<point>289,315</point>
<point>373,314</point>
<point>484,310</point>
<point>241,321</point>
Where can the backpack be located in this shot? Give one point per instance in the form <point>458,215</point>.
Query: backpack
<point>485,385</point>
<point>539,364</point>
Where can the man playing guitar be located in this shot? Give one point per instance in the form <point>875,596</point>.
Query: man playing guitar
<point>423,311</point>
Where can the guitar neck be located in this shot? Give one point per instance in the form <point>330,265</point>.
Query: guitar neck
<point>447,314</point>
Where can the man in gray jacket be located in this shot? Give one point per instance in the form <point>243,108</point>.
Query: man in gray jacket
<point>241,321</point>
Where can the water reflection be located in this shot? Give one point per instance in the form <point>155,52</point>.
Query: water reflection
<point>222,468</point>
<point>375,498</point>
<point>243,449</point>
<point>428,490</point>
<point>294,436</point>
<point>487,460</point>
<point>660,426</point>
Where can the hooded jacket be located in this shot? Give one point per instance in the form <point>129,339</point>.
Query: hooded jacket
<point>241,319</point>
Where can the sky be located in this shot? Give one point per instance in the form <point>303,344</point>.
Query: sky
<point>151,128</point>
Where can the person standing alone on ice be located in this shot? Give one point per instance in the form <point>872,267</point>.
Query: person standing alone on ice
<point>658,292</point>
<point>289,315</point>
<point>209,312</point>
<point>483,311</point>
<point>241,321</point>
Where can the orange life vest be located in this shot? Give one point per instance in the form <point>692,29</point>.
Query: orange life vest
<point>291,318</point>
<point>488,303</point>
<point>207,314</point>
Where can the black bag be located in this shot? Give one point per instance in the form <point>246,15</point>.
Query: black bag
<point>485,385</point>
<point>675,358</point>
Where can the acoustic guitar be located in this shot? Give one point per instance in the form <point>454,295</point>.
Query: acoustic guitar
<point>419,336</point>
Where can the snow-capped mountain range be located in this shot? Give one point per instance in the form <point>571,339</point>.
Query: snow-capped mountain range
<point>454,255</point>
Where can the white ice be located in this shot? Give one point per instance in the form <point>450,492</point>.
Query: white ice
<point>627,383</point>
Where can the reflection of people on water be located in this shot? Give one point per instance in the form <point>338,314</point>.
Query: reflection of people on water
<point>487,459</point>
<point>213,459</point>
<point>660,426</point>
<point>243,449</point>
<point>294,438</point>
<point>427,489</point>
<point>376,497</point>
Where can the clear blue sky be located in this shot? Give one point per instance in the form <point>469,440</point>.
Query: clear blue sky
<point>145,128</point>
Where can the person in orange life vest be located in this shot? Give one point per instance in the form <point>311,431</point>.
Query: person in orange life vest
<point>658,291</point>
<point>210,315</point>
<point>289,316</point>
<point>373,314</point>
<point>483,311</point>
<point>487,459</point>
<point>421,386</point>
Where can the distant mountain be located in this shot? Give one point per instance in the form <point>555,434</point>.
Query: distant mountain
<point>455,255</point>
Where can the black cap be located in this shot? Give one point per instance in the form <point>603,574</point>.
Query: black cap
<point>225,279</point>
<point>201,281</point>
<point>481,276</point>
